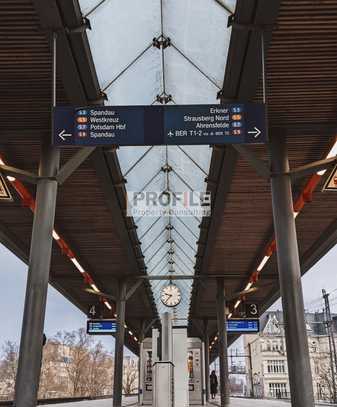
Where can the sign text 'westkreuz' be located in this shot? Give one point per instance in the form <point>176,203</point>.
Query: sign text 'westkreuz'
<point>159,125</point>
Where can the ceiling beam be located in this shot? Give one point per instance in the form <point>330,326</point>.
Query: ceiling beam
<point>110,176</point>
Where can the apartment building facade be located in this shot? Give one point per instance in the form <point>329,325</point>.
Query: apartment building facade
<point>267,367</point>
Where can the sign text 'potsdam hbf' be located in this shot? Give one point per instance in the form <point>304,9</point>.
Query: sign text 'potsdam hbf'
<point>159,125</point>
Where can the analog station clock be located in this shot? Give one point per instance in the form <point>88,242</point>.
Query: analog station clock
<point>170,295</point>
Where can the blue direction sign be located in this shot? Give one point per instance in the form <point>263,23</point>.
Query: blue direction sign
<point>243,326</point>
<point>101,326</point>
<point>159,125</point>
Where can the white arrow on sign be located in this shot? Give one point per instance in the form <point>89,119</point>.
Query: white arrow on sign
<point>256,132</point>
<point>63,135</point>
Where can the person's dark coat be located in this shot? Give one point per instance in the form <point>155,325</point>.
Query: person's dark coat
<point>213,381</point>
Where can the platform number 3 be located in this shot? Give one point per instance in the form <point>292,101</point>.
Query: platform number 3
<point>252,310</point>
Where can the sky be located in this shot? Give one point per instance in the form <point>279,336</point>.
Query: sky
<point>62,315</point>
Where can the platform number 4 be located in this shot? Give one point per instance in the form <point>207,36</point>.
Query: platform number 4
<point>94,311</point>
<point>252,310</point>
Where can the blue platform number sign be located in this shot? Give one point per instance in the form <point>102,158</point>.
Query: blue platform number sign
<point>243,326</point>
<point>101,326</point>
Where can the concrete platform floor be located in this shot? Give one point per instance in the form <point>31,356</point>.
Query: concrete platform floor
<point>129,401</point>
<point>238,402</point>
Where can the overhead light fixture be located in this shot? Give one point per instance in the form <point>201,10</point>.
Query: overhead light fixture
<point>93,286</point>
<point>108,305</point>
<point>77,265</point>
<point>130,333</point>
<point>248,286</point>
<point>263,263</point>
<point>10,178</point>
<point>230,316</point>
<point>331,154</point>
<point>238,302</point>
<point>55,235</point>
<point>136,339</point>
<point>296,214</point>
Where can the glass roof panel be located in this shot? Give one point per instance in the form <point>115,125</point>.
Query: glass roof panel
<point>199,154</point>
<point>185,171</point>
<point>129,158</point>
<point>132,71</point>
<point>185,246</point>
<point>185,83</point>
<point>229,4</point>
<point>128,89</point>
<point>146,170</point>
<point>88,6</point>
<point>121,31</point>
<point>154,240</point>
<point>198,29</point>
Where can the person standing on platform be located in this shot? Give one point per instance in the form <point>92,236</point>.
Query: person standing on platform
<point>213,381</point>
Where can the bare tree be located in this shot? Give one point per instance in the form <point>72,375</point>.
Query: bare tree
<point>100,371</point>
<point>52,383</point>
<point>8,369</point>
<point>130,377</point>
<point>71,366</point>
<point>75,349</point>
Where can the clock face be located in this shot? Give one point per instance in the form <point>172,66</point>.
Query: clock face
<point>170,295</point>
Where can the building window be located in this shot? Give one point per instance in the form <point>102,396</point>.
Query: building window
<point>276,366</point>
<point>275,346</point>
<point>316,366</point>
<point>278,390</point>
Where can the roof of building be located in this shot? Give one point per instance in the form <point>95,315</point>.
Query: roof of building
<point>272,323</point>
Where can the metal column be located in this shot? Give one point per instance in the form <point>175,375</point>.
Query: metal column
<point>119,347</point>
<point>28,376</point>
<point>167,337</point>
<point>222,343</point>
<point>206,343</point>
<point>290,277</point>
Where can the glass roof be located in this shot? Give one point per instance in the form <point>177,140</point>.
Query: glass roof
<point>152,52</point>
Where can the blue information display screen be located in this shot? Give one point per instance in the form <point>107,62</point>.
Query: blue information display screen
<point>233,123</point>
<point>101,326</point>
<point>243,326</point>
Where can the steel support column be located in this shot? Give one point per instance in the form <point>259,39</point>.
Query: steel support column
<point>119,347</point>
<point>290,277</point>
<point>166,337</point>
<point>27,380</point>
<point>222,343</point>
<point>206,343</point>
